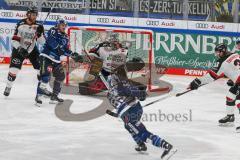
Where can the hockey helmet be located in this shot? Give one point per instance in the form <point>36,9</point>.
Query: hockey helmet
<point>61,21</point>
<point>32,10</point>
<point>221,48</point>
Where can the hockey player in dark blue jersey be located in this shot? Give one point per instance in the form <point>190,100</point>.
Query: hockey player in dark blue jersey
<point>56,45</point>
<point>124,96</point>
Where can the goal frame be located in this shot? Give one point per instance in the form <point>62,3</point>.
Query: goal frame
<point>118,30</point>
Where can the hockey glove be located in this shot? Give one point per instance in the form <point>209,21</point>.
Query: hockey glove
<point>195,84</point>
<point>140,94</point>
<point>60,50</point>
<point>230,83</point>
<point>23,52</point>
<point>40,31</point>
<point>76,57</point>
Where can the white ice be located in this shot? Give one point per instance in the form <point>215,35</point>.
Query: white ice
<point>31,133</point>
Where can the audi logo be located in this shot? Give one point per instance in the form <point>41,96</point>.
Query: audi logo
<point>103,20</point>
<point>54,17</point>
<point>153,23</point>
<point>202,25</point>
<point>6,14</point>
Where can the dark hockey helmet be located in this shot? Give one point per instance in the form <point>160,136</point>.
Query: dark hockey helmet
<point>32,10</point>
<point>221,48</point>
<point>61,21</point>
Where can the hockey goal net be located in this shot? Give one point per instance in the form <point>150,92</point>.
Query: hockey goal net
<point>139,43</point>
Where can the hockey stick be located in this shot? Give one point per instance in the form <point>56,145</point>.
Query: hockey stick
<point>113,114</point>
<point>189,90</point>
<point>158,100</point>
<point>155,101</point>
<point>182,93</point>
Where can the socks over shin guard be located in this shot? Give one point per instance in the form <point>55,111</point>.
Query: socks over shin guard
<point>11,78</point>
<point>156,141</point>
<point>57,86</point>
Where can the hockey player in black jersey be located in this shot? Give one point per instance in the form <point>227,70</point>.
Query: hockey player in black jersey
<point>125,97</point>
<point>28,32</point>
<point>228,65</point>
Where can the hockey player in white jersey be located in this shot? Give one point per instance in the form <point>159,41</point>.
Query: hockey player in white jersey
<point>228,65</point>
<point>112,54</point>
<point>27,33</point>
<point>125,97</point>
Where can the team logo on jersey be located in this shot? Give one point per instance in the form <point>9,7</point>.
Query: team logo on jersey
<point>16,61</point>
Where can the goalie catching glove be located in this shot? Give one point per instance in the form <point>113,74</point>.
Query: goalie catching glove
<point>136,64</point>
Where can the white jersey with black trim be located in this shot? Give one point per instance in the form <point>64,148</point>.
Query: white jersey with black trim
<point>111,58</point>
<point>229,67</point>
<point>25,35</point>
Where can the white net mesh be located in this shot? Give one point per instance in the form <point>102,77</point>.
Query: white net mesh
<point>139,43</point>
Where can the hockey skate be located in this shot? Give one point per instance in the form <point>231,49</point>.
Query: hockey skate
<point>238,129</point>
<point>168,152</point>
<point>44,91</point>
<point>141,147</point>
<point>55,99</point>
<point>38,100</point>
<point>227,121</point>
<point>7,91</point>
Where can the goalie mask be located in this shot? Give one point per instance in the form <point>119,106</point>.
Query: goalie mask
<point>114,43</point>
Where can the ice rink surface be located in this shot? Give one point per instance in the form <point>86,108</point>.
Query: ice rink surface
<point>31,133</point>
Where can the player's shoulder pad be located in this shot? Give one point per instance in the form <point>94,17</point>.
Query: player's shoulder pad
<point>104,44</point>
<point>52,32</point>
<point>39,23</point>
<point>21,22</point>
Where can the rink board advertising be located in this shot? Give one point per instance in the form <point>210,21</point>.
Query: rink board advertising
<point>179,45</point>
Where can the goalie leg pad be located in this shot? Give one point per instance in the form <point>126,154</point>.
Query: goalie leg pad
<point>90,88</point>
<point>96,66</point>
